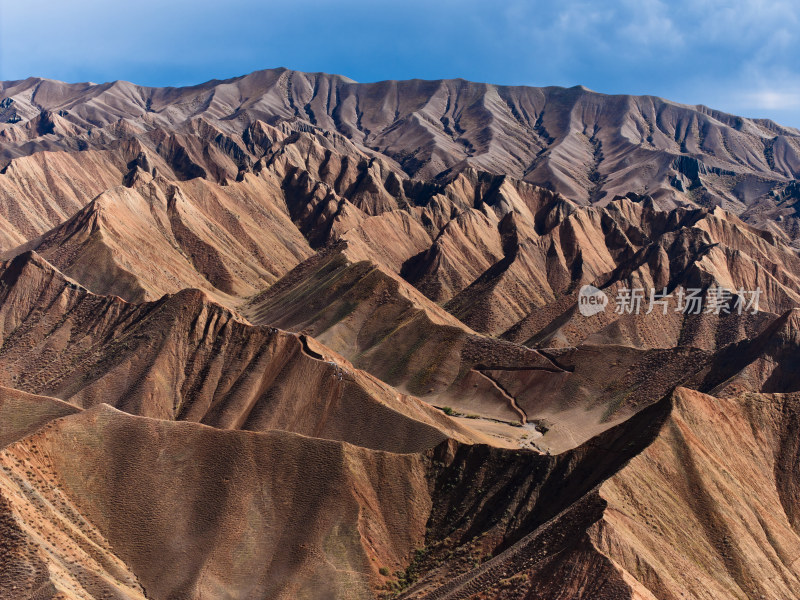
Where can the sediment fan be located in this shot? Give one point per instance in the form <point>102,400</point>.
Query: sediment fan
<point>290,336</point>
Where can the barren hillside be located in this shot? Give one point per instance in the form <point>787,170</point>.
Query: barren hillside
<point>292,336</point>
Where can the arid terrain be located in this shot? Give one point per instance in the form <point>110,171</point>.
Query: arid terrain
<point>288,336</point>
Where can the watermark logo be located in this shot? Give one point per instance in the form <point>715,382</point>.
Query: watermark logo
<point>692,301</point>
<point>591,301</point>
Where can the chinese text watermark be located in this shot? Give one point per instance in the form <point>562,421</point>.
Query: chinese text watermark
<point>690,301</point>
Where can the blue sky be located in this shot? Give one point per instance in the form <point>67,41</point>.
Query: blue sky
<point>739,56</point>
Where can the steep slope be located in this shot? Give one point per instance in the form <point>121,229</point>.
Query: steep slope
<point>766,362</point>
<point>586,145</point>
<point>184,357</point>
<point>42,190</point>
<point>678,512</point>
<point>630,244</point>
<point>21,414</point>
<point>606,366</point>
<point>161,237</point>
<point>199,512</point>
<point>50,550</point>
<point>728,510</point>
<point>604,520</point>
<point>291,336</point>
<point>387,328</point>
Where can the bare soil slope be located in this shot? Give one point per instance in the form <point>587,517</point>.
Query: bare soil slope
<point>291,336</point>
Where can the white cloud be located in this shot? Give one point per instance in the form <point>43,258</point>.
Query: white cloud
<point>774,100</point>
<point>766,95</point>
<point>650,24</point>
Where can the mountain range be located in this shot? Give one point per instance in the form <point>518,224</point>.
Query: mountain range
<point>292,336</point>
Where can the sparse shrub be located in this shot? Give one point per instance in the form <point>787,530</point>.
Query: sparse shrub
<point>517,580</point>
